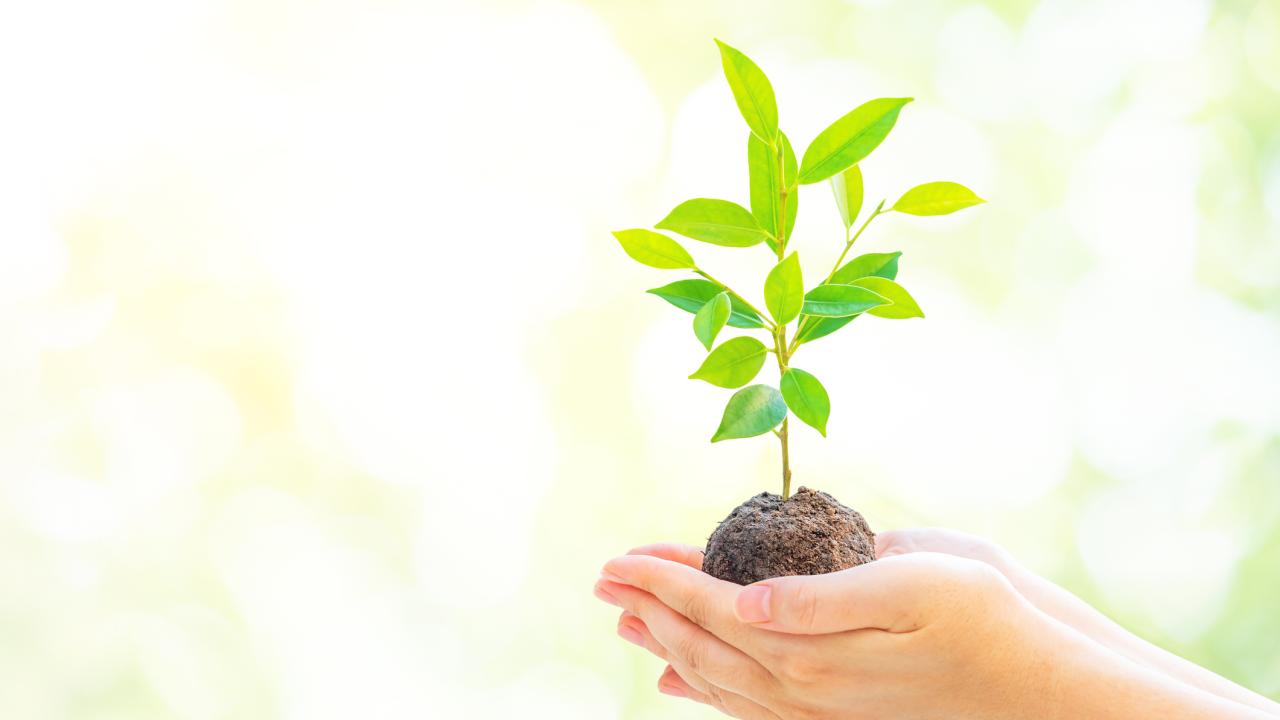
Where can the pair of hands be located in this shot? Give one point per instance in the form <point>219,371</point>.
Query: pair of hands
<point>942,625</point>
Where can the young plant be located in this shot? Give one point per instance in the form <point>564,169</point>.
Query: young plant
<point>793,317</point>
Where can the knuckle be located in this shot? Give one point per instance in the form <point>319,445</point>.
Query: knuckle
<point>689,649</point>
<point>800,606</point>
<point>695,609</point>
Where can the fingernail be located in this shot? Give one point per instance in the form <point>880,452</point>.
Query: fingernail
<point>600,593</point>
<point>671,690</point>
<point>631,635</point>
<point>752,604</point>
<point>612,577</point>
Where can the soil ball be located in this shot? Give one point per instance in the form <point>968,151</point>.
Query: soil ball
<point>809,534</point>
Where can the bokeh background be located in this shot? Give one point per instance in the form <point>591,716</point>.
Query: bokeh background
<point>324,390</point>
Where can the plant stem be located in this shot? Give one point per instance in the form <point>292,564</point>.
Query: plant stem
<point>848,243</point>
<point>782,352</point>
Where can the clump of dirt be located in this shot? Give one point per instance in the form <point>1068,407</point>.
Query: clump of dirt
<point>809,534</point>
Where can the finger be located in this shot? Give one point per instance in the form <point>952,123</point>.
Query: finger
<point>943,540</point>
<point>720,664</point>
<point>671,683</point>
<point>896,594</point>
<point>706,601</point>
<point>675,552</point>
<point>638,633</point>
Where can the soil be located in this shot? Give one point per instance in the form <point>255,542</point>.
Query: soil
<point>809,534</point>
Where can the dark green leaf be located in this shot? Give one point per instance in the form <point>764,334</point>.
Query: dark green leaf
<point>903,305</point>
<point>807,398</point>
<point>753,410</point>
<point>840,300</point>
<point>654,249</point>
<point>709,320</point>
<point>850,139</point>
<point>847,187</point>
<point>690,295</point>
<point>718,222</point>
<point>936,198</point>
<point>784,290</point>
<point>883,265</point>
<point>733,364</point>
<point>752,91</point>
<point>762,166</point>
<point>812,328</point>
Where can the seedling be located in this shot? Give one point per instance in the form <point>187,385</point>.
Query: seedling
<point>792,317</point>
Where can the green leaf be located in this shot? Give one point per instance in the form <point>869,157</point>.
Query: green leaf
<point>936,198</point>
<point>733,364</point>
<point>784,290</point>
<point>718,222</point>
<point>840,300</point>
<point>752,91</point>
<point>690,295</point>
<point>904,306</point>
<point>654,249</point>
<point>752,411</point>
<point>847,187</point>
<point>711,318</point>
<point>807,398</point>
<point>883,265</point>
<point>850,139</point>
<point>812,327</point>
<point>762,165</point>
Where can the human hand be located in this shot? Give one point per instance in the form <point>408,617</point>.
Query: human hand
<point>917,635</point>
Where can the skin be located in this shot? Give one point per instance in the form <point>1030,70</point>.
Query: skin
<point>943,625</point>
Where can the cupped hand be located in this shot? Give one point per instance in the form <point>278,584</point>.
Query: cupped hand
<point>916,634</point>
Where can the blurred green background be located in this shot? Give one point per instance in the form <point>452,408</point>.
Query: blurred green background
<point>324,390</point>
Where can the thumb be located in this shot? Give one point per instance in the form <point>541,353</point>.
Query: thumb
<point>893,594</point>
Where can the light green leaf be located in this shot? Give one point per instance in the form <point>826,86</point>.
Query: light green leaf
<point>812,327</point>
<point>936,198</point>
<point>903,305</point>
<point>654,249</point>
<point>752,411</point>
<point>850,139</point>
<point>690,295</point>
<point>752,92</point>
<point>762,166</point>
<point>784,290</point>
<point>718,222</point>
<point>807,398</point>
<point>840,300</point>
<point>710,320</point>
<point>847,187</point>
<point>883,265</point>
<point>733,364</point>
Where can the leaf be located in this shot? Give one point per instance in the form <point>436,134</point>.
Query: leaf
<point>883,265</point>
<point>847,187</point>
<point>718,222</point>
<point>812,327</point>
<point>733,364</point>
<point>850,139</point>
<point>711,318</point>
<point>752,411</point>
<point>903,305</point>
<point>784,290</point>
<point>752,91</point>
<point>690,295</point>
<point>762,165</point>
<point>936,198</point>
<point>654,249</point>
<point>840,300</point>
<point>807,398</point>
